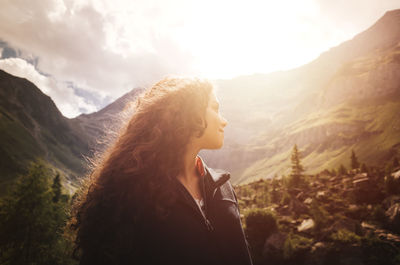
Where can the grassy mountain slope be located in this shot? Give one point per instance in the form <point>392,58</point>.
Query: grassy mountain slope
<point>31,128</point>
<point>321,106</point>
<point>357,109</point>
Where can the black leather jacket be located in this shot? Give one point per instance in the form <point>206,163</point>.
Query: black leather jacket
<point>188,237</point>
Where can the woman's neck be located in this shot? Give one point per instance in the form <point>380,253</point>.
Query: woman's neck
<point>190,172</point>
<point>189,178</point>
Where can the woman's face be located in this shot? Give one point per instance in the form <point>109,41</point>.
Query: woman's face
<point>213,137</point>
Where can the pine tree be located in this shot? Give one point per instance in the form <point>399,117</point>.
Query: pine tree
<point>364,168</point>
<point>56,187</point>
<point>31,223</point>
<point>354,161</point>
<point>274,195</point>
<point>296,175</point>
<point>342,170</point>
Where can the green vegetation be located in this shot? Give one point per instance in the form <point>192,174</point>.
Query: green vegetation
<point>18,147</point>
<point>32,218</point>
<point>296,245</point>
<point>337,218</point>
<point>354,161</point>
<point>341,128</point>
<point>296,174</point>
<point>345,237</point>
<point>260,224</point>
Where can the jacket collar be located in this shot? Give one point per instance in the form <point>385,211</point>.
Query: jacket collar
<point>213,179</point>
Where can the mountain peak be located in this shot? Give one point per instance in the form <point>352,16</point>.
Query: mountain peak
<point>395,13</point>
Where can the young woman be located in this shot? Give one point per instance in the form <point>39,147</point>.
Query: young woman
<point>153,200</point>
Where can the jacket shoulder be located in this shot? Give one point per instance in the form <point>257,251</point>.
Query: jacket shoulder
<point>227,192</point>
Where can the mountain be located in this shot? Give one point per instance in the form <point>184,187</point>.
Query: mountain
<point>101,125</point>
<point>33,128</point>
<point>348,98</point>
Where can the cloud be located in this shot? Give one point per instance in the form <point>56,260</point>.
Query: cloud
<point>103,48</point>
<point>62,93</point>
<point>90,44</point>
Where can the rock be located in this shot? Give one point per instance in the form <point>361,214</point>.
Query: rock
<point>320,194</point>
<point>317,246</point>
<point>301,196</point>
<point>308,200</point>
<point>348,192</point>
<point>396,174</point>
<point>353,207</point>
<point>306,226</point>
<point>323,196</point>
<point>393,217</point>
<point>298,207</point>
<point>360,176</point>
<point>362,183</point>
<point>283,210</point>
<point>348,224</point>
<point>366,192</point>
<point>389,201</point>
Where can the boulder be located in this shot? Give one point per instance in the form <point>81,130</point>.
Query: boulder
<point>348,224</point>
<point>306,226</point>
<point>360,176</point>
<point>362,183</point>
<point>308,200</point>
<point>298,207</point>
<point>301,196</point>
<point>393,217</point>
<point>396,174</point>
<point>320,194</point>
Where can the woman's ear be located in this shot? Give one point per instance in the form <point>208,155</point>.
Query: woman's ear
<point>201,125</point>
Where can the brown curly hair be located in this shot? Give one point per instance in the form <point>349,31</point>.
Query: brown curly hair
<point>137,173</point>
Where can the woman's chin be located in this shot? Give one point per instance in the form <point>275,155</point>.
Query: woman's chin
<point>217,146</point>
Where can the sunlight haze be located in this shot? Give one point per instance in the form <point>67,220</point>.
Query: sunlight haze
<point>85,54</point>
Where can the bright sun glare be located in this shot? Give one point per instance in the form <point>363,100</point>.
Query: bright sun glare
<point>228,38</point>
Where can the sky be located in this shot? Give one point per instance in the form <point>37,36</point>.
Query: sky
<point>85,54</point>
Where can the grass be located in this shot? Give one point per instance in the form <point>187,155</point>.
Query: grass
<point>372,130</point>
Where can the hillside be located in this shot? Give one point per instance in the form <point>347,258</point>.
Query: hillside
<point>100,126</point>
<point>332,217</point>
<point>33,128</point>
<point>347,98</point>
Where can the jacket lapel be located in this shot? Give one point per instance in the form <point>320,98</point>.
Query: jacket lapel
<point>212,180</point>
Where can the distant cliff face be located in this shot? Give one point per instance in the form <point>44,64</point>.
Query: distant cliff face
<point>376,74</point>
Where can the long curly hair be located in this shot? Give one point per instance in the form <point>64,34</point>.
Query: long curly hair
<point>136,174</point>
